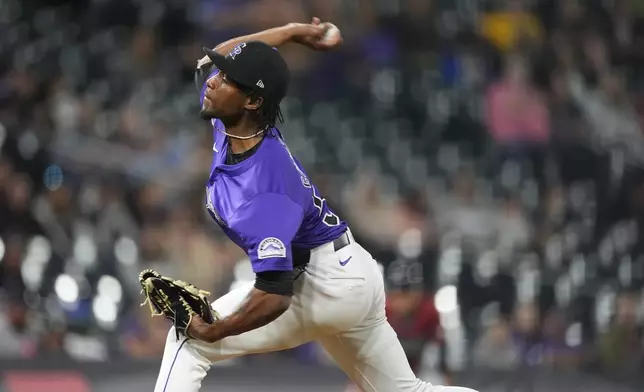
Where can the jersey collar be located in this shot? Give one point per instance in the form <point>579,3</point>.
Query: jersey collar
<point>242,166</point>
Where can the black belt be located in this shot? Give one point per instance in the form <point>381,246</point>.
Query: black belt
<point>301,257</point>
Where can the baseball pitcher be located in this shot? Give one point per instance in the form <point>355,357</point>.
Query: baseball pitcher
<point>313,281</point>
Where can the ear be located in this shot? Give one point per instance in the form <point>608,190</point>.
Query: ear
<point>254,103</point>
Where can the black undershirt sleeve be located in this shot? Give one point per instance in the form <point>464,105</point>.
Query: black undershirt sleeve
<point>275,282</point>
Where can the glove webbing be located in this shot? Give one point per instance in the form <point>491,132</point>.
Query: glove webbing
<point>148,290</point>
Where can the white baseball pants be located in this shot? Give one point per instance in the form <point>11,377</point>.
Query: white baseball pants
<point>340,307</point>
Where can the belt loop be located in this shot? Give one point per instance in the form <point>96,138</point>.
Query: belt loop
<point>298,271</point>
<point>349,235</point>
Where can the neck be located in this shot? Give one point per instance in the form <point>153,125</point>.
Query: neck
<point>238,146</point>
<point>243,128</point>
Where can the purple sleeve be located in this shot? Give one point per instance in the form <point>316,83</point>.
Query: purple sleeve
<point>267,225</point>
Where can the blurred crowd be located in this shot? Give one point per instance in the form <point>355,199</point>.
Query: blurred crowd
<point>489,153</point>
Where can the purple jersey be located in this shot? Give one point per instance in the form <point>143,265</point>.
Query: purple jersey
<point>266,203</point>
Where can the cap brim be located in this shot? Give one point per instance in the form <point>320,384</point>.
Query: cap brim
<point>224,64</point>
<point>218,60</point>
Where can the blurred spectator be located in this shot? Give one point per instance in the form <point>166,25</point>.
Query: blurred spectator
<point>199,258</point>
<point>114,219</point>
<point>12,325</point>
<point>571,139</point>
<point>512,26</point>
<point>496,349</point>
<point>18,202</point>
<point>561,342</point>
<point>57,216</point>
<point>606,107</point>
<point>412,314</point>
<point>526,334</point>
<point>14,322</point>
<point>518,117</point>
<point>620,348</point>
<point>11,281</point>
<point>382,220</point>
<point>463,211</point>
<point>143,336</point>
<point>514,229</point>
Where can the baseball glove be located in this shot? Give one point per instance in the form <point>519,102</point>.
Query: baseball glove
<point>176,300</point>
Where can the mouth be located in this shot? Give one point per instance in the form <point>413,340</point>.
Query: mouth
<point>208,96</point>
<point>207,103</point>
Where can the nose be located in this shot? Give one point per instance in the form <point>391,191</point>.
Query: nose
<point>211,83</point>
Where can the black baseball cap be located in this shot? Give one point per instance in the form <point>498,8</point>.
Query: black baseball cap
<point>256,66</point>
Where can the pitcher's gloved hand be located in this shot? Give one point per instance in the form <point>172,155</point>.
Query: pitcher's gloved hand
<point>176,300</point>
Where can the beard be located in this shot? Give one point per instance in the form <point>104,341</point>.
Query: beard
<point>206,114</point>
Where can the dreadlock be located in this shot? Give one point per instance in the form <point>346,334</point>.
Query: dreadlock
<point>269,113</point>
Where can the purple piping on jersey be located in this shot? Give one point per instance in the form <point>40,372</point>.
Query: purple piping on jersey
<point>173,361</point>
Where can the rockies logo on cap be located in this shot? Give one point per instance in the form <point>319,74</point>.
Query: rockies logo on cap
<point>256,66</point>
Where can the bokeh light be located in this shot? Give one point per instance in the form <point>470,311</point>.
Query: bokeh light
<point>66,289</point>
<point>53,177</point>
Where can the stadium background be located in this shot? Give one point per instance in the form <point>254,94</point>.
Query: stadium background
<point>488,153</point>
